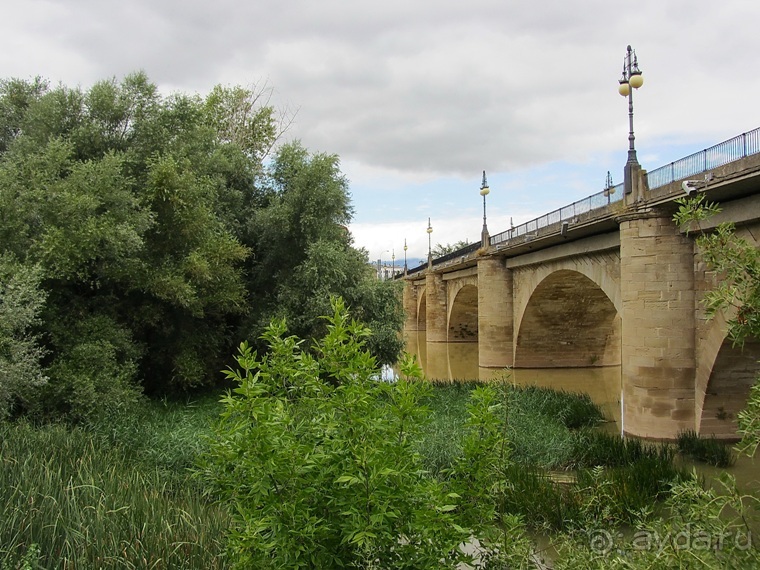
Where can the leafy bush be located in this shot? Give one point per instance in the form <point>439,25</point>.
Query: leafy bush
<point>707,529</point>
<point>95,376</point>
<point>317,463</point>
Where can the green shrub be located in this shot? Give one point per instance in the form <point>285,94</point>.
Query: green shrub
<point>483,478</point>
<point>316,460</point>
<point>95,373</point>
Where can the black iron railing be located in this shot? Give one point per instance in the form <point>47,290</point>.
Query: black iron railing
<point>733,149</point>
<point>566,213</point>
<point>449,256</point>
<point>739,147</point>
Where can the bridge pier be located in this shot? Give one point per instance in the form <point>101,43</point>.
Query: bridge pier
<point>495,314</point>
<point>658,348</point>
<point>410,300</point>
<point>436,314</point>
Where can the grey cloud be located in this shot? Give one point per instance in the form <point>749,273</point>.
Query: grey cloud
<point>440,87</point>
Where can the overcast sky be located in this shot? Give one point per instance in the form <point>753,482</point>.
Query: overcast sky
<point>419,97</point>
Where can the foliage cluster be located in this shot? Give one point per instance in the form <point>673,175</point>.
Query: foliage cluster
<point>440,249</point>
<point>316,459</point>
<point>321,463</point>
<point>20,353</point>
<point>157,229</point>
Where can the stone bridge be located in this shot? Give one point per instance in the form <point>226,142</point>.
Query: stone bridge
<point>614,285</point>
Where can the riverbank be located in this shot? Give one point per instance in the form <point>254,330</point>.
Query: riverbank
<point>121,493</point>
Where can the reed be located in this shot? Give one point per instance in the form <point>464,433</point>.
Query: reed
<point>73,499</point>
<point>441,442</point>
<point>548,430</point>
<point>707,450</point>
<point>572,410</point>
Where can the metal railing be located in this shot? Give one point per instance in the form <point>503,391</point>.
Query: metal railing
<point>448,257</point>
<point>566,213</point>
<point>733,149</point>
<point>739,147</point>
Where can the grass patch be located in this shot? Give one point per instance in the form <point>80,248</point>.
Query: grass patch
<point>441,443</point>
<point>594,448</point>
<point>572,410</point>
<point>707,450</point>
<point>542,425</point>
<point>121,494</point>
<point>551,430</point>
<point>118,495</point>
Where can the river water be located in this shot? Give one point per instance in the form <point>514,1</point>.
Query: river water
<point>443,361</point>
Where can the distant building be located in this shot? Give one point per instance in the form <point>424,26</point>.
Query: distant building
<point>385,270</point>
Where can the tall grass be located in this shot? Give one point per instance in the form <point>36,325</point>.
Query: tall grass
<point>707,450</point>
<point>572,410</point>
<point>550,430</point>
<point>541,424</point>
<point>441,442</point>
<point>116,496</point>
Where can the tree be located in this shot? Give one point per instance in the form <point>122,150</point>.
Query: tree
<point>21,300</point>
<point>439,250</point>
<point>303,254</point>
<point>120,196</point>
<point>161,237</point>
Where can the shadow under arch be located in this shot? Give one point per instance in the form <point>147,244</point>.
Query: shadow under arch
<point>422,312</point>
<point>731,377</point>
<point>568,322</point>
<point>463,316</point>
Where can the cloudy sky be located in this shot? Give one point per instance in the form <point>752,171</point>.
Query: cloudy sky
<point>418,97</point>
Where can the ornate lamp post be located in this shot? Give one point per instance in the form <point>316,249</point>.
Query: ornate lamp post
<point>631,78</point>
<point>405,248</point>
<point>430,246</point>
<point>393,263</point>
<point>484,190</point>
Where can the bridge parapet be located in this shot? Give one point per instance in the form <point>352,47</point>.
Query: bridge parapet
<point>721,164</point>
<point>721,154</point>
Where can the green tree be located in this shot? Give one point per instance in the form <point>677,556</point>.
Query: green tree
<point>303,254</point>
<point>121,197</point>
<point>439,249</point>
<point>21,300</point>
<point>156,215</point>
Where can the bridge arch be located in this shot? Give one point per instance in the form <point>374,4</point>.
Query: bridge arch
<point>567,321</point>
<point>603,269</point>
<point>422,310</point>
<point>725,374</point>
<point>463,314</point>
